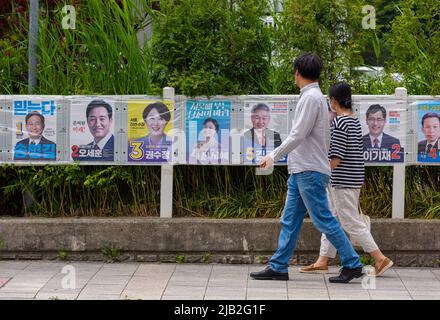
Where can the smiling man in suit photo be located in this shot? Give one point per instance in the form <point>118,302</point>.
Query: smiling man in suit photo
<point>431,130</point>
<point>36,147</point>
<point>99,120</point>
<point>376,138</point>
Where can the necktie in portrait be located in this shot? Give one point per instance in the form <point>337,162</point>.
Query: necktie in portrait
<point>429,148</point>
<point>376,143</point>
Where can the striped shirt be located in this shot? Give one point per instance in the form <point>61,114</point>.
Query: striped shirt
<point>346,143</point>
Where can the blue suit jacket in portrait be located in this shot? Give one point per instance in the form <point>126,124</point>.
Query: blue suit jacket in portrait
<point>387,141</point>
<point>107,151</point>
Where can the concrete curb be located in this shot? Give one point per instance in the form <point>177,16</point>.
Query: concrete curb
<point>408,242</point>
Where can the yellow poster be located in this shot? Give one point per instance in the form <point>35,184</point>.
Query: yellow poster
<point>149,125</point>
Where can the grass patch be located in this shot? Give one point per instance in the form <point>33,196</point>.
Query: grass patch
<point>111,254</point>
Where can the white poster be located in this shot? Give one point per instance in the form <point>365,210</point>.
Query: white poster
<point>92,129</point>
<point>265,128</point>
<point>384,130</point>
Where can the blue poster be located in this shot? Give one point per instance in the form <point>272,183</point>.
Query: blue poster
<point>428,133</point>
<point>208,125</point>
<point>34,122</point>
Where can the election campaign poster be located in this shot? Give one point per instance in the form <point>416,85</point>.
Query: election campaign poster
<point>384,130</point>
<point>34,128</point>
<point>265,128</point>
<point>150,123</point>
<point>92,129</point>
<point>208,125</point>
<point>428,131</point>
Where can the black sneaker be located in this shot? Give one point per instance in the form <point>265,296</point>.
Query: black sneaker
<point>346,275</point>
<point>269,274</point>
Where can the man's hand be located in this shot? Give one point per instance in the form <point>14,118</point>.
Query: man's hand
<point>266,162</point>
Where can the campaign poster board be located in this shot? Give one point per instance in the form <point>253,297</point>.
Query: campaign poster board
<point>91,129</point>
<point>428,131</point>
<point>150,138</point>
<point>34,122</point>
<point>384,126</point>
<point>208,127</point>
<point>265,128</point>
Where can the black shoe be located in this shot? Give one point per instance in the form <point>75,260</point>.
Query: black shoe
<point>269,274</point>
<point>346,275</point>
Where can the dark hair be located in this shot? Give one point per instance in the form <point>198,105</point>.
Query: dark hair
<point>260,106</point>
<point>375,108</point>
<point>213,121</point>
<point>309,65</point>
<point>160,107</point>
<point>34,113</point>
<point>99,103</point>
<point>430,115</point>
<point>341,92</point>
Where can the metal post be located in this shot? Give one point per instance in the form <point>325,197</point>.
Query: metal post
<point>28,198</point>
<point>398,211</point>
<point>401,93</point>
<point>33,39</point>
<point>166,180</point>
<point>398,191</point>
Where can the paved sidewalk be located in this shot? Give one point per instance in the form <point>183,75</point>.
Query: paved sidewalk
<point>152,281</point>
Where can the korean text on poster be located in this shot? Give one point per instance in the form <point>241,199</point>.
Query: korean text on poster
<point>34,123</point>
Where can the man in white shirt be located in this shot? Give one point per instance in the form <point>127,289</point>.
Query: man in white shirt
<point>307,147</point>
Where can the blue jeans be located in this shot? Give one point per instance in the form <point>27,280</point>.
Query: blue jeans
<point>307,192</point>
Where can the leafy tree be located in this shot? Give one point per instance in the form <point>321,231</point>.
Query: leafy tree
<point>330,28</point>
<point>376,51</point>
<point>209,47</point>
<point>414,42</point>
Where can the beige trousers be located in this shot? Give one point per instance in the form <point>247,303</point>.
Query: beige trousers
<point>343,203</point>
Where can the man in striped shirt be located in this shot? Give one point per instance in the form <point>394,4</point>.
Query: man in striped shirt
<point>307,147</point>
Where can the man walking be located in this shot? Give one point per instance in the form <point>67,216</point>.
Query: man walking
<point>307,147</point>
